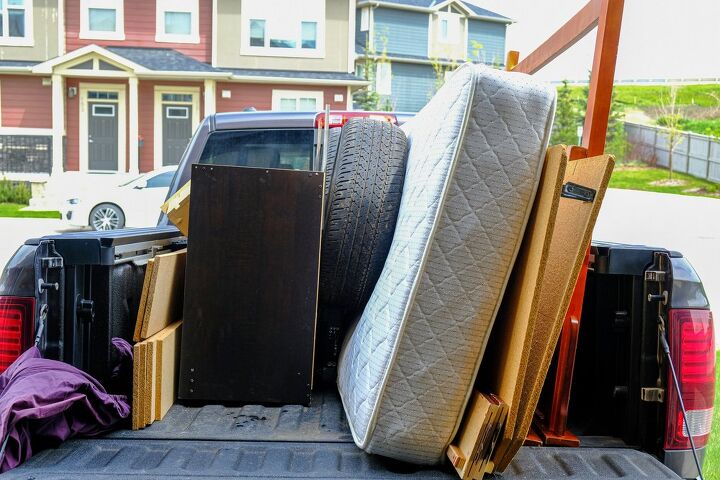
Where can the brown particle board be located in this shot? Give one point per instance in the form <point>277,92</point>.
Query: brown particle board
<point>177,208</point>
<point>167,361</point>
<point>138,396</point>
<point>504,364</point>
<point>571,237</point>
<point>164,302</point>
<point>149,398</point>
<point>147,282</point>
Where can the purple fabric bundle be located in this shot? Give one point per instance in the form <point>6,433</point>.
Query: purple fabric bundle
<point>44,402</point>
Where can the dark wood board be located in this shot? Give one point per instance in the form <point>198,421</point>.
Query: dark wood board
<point>251,285</point>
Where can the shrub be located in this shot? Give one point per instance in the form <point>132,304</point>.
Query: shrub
<point>14,192</point>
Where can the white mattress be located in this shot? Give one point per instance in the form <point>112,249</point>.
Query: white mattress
<point>475,155</point>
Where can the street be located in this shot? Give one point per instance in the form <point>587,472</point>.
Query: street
<point>690,225</point>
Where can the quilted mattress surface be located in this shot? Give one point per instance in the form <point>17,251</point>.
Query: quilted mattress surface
<point>408,364</point>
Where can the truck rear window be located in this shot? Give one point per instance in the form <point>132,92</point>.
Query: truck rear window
<point>289,149</point>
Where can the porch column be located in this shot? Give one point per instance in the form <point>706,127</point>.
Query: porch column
<point>133,125</point>
<point>209,97</point>
<point>58,123</point>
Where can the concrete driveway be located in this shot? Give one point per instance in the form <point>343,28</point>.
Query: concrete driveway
<point>690,225</point>
<point>14,232</point>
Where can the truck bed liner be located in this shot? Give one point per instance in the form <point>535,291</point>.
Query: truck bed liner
<point>182,459</point>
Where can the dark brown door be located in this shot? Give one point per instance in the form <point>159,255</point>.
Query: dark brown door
<point>102,136</point>
<point>177,130</point>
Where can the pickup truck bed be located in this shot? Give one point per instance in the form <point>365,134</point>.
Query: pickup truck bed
<point>290,442</point>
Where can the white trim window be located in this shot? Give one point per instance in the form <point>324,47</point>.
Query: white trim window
<point>16,22</point>
<point>448,27</point>
<point>365,19</point>
<point>383,78</point>
<point>177,21</point>
<point>283,29</point>
<point>102,19</point>
<point>297,100</point>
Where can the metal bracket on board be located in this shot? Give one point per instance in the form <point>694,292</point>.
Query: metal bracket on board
<point>578,192</point>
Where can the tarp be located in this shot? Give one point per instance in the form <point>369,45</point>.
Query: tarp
<point>44,402</point>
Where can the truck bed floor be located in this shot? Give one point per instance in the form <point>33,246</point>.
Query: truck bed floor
<point>253,441</point>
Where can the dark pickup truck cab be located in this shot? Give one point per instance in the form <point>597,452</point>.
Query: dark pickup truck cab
<point>74,292</point>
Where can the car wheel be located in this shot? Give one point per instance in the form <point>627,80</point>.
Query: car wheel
<point>107,216</point>
<point>365,186</point>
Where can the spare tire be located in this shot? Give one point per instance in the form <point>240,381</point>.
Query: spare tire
<point>365,185</point>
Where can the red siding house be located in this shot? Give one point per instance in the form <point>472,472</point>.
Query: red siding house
<point>118,86</point>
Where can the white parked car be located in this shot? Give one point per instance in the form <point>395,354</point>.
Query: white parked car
<point>132,204</point>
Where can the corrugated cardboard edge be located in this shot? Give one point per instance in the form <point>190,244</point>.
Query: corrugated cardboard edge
<point>533,383</point>
<point>504,366</point>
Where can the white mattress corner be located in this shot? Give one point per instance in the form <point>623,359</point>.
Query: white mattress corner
<point>475,156</point>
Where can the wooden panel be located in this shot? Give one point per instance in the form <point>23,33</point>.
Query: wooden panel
<point>251,290</point>
<point>25,102</point>
<point>167,356</point>
<point>570,238</point>
<point>164,300</point>
<point>147,282</point>
<point>140,29</point>
<point>503,367</point>
<point>138,393</point>
<point>148,403</point>
<point>177,208</point>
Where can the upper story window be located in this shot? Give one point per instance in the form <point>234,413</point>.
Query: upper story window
<point>449,27</point>
<point>102,19</point>
<point>16,22</point>
<point>283,28</point>
<point>365,19</point>
<point>177,21</point>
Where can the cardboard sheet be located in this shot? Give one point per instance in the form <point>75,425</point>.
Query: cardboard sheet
<point>570,239</point>
<point>503,367</point>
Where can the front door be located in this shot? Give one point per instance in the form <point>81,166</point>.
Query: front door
<point>177,131</point>
<point>102,135</point>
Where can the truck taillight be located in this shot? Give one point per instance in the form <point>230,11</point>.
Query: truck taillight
<point>17,319</point>
<point>692,347</point>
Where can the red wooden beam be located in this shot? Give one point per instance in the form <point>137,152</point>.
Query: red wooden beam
<point>602,76</point>
<point>565,37</point>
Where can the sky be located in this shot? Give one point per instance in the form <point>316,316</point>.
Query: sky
<point>666,39</point>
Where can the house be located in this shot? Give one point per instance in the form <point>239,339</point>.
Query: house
<point>118,86</point>
<point>413,42</point>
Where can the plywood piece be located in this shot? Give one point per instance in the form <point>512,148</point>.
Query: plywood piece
<point>167,362</point>
<point>504,364</point>
<point>138,394</point>
<point>472,450</point>
<point>177,208</point>
<point>570,239</point>
<point>147,281</point>
<point>149,397</point>
<point>164,302</point>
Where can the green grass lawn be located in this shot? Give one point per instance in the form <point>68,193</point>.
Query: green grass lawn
<point>14,210</point>
<point>650,95</point>
<point>642,177</point>
<point>711,467</point>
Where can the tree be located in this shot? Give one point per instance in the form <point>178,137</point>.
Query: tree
<point>616,139</point>
<point>566,117</point>
<point>368,98</point>
<point>671,119</point>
